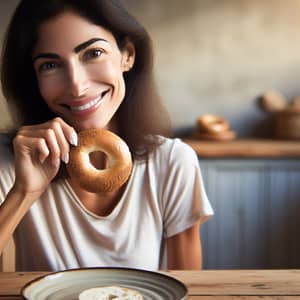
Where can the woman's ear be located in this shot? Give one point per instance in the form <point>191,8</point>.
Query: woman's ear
<point>128,56</point>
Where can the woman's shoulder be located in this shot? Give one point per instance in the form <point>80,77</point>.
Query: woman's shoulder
<point>174,150</point>
<point>174,147</point>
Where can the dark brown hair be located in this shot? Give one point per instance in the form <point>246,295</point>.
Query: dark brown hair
<point>140,117</point>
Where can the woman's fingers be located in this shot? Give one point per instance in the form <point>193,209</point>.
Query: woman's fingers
<point>39,150</point>
<point>52,142</point>
<point>46,142</point>
<point>68,132</point>
<point>59,144</point>
<point>54,139</point>
<point>39,145</point>
<point>43,150</point>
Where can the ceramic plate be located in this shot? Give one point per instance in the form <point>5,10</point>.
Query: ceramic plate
<point>67,285</point>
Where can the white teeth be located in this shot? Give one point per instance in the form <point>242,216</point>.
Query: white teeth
<point>86,106</point>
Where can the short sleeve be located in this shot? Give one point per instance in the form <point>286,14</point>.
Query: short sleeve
<point>6,167</point>
<point>184,198</point>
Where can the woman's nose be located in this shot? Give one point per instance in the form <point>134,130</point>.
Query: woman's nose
<point>78,80</point>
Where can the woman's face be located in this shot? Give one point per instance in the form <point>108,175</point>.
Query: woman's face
<point>80,68</point>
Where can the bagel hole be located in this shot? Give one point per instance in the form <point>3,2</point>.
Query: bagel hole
<point>98,159</point>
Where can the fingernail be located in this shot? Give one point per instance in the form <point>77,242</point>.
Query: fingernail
<point>65,158</point>
<point>74,139</point>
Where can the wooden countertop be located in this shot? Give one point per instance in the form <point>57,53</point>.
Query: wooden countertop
<point>204,285</point>
<point>246,148</point>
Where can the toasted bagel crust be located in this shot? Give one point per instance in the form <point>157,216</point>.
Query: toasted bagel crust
<point>212,124</point>
<point>91,178</point>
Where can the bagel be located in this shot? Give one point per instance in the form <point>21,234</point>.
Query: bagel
<point>212,124</point>
<point>110,293</point>
<point>100,180</point>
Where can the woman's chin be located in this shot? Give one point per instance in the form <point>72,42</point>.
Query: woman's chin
<point>81,123</point>
<point>88,125</point>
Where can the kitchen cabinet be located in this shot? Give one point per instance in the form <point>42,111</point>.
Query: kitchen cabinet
<point>257,210</point>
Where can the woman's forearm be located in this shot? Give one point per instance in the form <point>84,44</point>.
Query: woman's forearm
<point>12,211</point>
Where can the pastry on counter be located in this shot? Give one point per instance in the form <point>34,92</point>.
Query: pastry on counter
<point>213,127</point>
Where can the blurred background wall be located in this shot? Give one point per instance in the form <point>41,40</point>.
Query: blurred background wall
<point>6,9</point>
<point>216,56</point>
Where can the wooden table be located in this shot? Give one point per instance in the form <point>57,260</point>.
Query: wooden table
<point>202,285</point>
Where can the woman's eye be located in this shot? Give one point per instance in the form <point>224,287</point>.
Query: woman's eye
<point>47,66</point>
<point>94,53</point>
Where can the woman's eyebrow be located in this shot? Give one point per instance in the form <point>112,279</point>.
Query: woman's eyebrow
<point>45,55</point>
<point>77,49</point>
<point>88,43</point>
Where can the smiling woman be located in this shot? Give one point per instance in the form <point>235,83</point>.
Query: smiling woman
<point>84,65</point>
<point>80,75</point>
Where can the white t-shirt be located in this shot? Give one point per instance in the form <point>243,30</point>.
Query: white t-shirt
<point>164,196</point>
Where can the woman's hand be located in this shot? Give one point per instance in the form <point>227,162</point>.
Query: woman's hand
<point>38,151</point>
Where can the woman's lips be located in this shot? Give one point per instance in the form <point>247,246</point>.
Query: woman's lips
<point>88,107</point>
